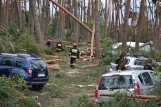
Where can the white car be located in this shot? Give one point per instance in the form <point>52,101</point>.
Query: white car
<point>136,82</point>
<point>132,63</point>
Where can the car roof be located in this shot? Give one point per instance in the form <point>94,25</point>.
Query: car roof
<point>21,55</point>
<point>131,44</point>
<point>126,72</point>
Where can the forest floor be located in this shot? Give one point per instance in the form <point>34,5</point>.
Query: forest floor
<point>67,86</point>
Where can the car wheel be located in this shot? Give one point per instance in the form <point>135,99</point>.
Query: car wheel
<point>37,87</point>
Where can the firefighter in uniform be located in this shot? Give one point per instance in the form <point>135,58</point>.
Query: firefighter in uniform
<point>48,43</point>
<point>74,54</point>
<point>58,46</point>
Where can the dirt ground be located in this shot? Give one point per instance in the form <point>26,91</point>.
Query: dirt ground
<point>73,90</point>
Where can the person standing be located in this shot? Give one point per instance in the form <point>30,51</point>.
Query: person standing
<point>74,54</point>
<point>148,64</point>
<point>59,46</point>
<point>48,43</point>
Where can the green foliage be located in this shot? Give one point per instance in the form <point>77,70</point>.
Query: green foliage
<point>27,102</point>
<point>82,101</point>
<point>20,39</point>
<point>56,91</point>
<point>8,90</point>
<point>60,75</point>
<point>69,34</point>
<point>107,47</point>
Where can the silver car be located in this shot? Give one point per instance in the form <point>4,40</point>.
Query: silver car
<point>132,63</point>
<point>136,82</point>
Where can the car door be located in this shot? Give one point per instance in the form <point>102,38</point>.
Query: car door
<point>146,83</point>
<point>6,66</point>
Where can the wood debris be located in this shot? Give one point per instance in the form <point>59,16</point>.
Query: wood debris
<point>50,57</point>
<point>50,61</point>
<point>68,46</point>
<point>52,67</point>
<point>62,60</point>
<point>89,66</point>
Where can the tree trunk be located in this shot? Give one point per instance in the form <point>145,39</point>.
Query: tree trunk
<point>107,9</point>
<point>88,21</point>
<point>140,24</point>
<point>76,28</point>
<point>62,17</point>
<point>7,12</point>
<point>17,3</point>
<point>39,35</point>
<point>97,29</point>
<point>125,27</point>
<point>40,12</point>
<point>1,14</point>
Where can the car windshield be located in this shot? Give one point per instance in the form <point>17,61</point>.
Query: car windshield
<point>37,63</point>
<point>116,82</point>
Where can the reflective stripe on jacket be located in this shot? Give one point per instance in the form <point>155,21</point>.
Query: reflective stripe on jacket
<point>74,52</point>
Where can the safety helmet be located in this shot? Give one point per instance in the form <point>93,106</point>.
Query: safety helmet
<point>74,44</point>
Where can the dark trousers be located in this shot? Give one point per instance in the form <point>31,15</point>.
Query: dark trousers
<point>72,61</point>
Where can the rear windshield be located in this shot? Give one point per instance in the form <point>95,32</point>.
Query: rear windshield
<point>37,63</point>
<point>116,82</point>
<point>139,62</point>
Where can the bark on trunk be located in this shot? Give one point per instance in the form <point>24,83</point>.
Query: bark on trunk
<point>97,29</point>
<point>1,12</point>
<point>76,29</point>
<point>107,9</point>
<point>39,36</point>
<point>140,24</point>
<point>125,29</point>
<point>7,12</point>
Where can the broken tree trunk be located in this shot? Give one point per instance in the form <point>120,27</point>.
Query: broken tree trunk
<point>52,67</point>
<point>50,62</point>
<point>147,43</point>
<point>12,47</point>
<point>75,18</point>
<point>92,39</point>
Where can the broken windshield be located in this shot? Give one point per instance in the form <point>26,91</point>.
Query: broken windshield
<point>116,82</point>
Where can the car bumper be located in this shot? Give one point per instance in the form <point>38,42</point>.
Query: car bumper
<point>37,81</point>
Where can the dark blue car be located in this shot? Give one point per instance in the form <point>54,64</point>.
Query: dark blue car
<point>33,68</point>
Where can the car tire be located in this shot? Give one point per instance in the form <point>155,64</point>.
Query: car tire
<point>37,87</point>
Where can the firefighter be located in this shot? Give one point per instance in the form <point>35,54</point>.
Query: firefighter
<point>74,54</point>
<point>59,46</point>
<point>48,43</point>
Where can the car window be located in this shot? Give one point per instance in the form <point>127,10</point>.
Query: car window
<point>155,77</point>
<point>116,82</point>
<point>19,63</point>
<point>37,63</point>
<point>139,62</point>
<point>147,79</point>
<point>7,61</point>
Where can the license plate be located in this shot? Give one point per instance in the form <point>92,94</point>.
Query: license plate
<point>41,75</point>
